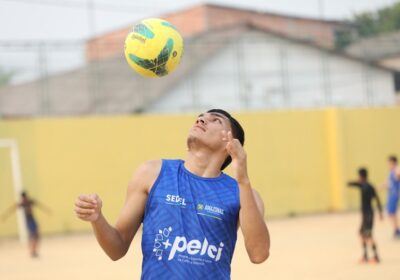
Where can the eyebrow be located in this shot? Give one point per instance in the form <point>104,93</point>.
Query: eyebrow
<point>219,115</point>
<point>216,115</point>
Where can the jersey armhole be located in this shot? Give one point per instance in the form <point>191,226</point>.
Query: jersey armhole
<point>153,188</point>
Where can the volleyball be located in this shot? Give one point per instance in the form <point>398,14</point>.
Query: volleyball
<point>154,48</point>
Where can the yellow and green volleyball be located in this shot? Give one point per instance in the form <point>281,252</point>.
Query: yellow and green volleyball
<point>154,48</point>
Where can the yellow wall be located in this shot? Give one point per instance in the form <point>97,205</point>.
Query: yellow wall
<point>369,137</point>
<point>299,161</point>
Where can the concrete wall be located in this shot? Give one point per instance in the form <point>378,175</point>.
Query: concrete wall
<point>299,161</point>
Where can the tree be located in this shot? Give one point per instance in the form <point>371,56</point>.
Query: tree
<point>368,24</point>
<point>5,77</point>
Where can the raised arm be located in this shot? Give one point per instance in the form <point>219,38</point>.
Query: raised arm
<point>9,211</point>
<point>354,184</point>
<point>42,207</point>
<point>251,217</point>
<point>115,240</point>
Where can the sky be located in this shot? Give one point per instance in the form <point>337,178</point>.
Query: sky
<point>70,19</point>
<point>25,23</point>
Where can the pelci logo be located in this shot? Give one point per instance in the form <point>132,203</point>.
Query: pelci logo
<point>158,242</point>
<point>188,248</point>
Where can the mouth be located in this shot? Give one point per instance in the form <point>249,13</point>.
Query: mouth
<point>200,127</point>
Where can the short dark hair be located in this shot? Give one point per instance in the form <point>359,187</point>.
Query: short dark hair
<point>363,172</point>
<point>393,158</point>
<point>237,132</point>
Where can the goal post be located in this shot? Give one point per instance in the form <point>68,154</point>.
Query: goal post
<point>11,144</point>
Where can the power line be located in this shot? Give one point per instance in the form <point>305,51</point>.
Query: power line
<point>98,6</point>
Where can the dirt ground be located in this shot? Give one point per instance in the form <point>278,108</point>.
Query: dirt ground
<point>314,247</point>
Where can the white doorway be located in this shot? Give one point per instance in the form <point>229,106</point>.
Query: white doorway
<point>17,184</point>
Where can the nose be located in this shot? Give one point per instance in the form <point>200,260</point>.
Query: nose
<point>201,120</point>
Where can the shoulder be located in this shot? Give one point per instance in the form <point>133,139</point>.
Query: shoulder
<point>150,166</point>
<point>229,179</point>
<point>145,175</point>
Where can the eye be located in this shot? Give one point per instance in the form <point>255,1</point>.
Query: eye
<point>217,120</point>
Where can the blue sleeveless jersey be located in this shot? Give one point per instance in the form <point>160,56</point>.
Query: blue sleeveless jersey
<point>394,185</point>
<point>189,226</point>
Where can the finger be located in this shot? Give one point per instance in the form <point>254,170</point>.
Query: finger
<point>83,217</point>
<point>230,136</point>
<point>83,204</point>
<point>237,142</point>
<point>84,211</point>
<point>88,198</point>
<point>229,147</point>
<point>95,198</point>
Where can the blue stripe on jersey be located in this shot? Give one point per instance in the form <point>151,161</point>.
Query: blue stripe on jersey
<point>189,226</point>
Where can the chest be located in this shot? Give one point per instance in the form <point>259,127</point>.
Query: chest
<point>199,204</point>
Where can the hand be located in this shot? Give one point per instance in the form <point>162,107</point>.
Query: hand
<point>238,155</point>
<point>88,207</point>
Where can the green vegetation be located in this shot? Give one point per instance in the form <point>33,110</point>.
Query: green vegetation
<point>5,77</point>
<point>369,24</point>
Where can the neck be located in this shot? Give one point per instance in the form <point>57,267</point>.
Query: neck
<point>203,163</point>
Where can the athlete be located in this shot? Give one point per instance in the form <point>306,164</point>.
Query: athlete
<point>393,185</point>
<point>27,204</point>
<point>368,193</point>
<point>190,209</point>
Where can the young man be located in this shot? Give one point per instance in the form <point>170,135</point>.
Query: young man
<point>368,193</point>
<point>27,204</point>
<point>190,210</point>
<point>393,185</point>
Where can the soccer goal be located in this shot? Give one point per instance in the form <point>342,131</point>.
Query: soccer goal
<point>17,184</point>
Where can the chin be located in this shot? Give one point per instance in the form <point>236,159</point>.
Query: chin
<point>191,140</point>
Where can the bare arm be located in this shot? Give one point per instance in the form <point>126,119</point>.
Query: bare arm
<point>384,185</point>
<point>43,207</point>
<point>378,203</point>
<point>251,218</point>
<point>115,240</point>
<point>397,172</point>
<point>254,228</point>
<point>354,184</point>
<point>9,211</point>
